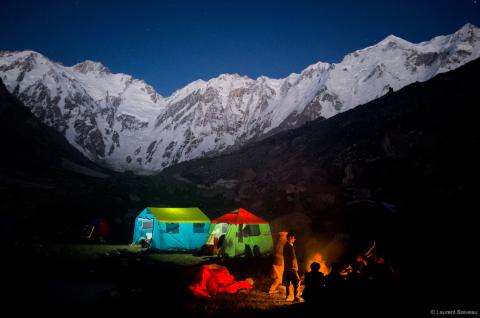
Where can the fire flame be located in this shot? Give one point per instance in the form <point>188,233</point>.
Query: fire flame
<point>317,257</point>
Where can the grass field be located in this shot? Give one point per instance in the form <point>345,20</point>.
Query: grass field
<point>93,252</point>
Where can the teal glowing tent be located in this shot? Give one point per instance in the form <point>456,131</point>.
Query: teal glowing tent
<point>172,229</point>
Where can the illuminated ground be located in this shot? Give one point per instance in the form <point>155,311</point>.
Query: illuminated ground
<point>115,278</point>
<point>119,279</point>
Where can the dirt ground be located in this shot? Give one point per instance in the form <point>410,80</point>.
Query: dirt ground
<point>83,277</point>
<point>117,279</point>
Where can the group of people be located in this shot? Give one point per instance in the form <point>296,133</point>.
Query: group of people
<point>314,280</point>
<point>364,272</point>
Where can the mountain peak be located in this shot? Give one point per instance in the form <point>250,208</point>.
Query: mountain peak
<point>228,79</point>
<point>467,32</point>
<point>467,27</point>
<point>393,38</point>
<point>91,66</point>
<point>27,55</point>
<point>317,66</point>
<point>228,76</point>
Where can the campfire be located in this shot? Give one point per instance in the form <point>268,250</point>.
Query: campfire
<point>317,257</point>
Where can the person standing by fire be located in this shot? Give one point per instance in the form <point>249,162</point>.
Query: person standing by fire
<point>277,266</point>
<point>290,273</point>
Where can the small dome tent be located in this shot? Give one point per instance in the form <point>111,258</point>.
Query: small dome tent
<point>172,229</point>
<point>240,233</point>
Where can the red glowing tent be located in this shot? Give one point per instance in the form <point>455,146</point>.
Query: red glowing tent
<point>240,233</point>
<point>240,216</point>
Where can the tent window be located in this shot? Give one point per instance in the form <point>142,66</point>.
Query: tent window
<point>173,228</point>
<point>199,228</point>
<point>224,227</point>
<point>147,225</point>
<point>251,230</point>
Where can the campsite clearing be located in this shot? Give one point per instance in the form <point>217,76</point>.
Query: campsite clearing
<point>118,278</point>
<point>95,252</point>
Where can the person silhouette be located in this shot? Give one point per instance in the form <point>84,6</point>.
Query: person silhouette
<point>290,273</point>
<point>314,283</point>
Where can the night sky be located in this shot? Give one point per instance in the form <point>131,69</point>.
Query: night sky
<point>171,43</point>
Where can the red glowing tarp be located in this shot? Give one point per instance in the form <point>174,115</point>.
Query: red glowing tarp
<point>241,216</point>
<point>213,279</point>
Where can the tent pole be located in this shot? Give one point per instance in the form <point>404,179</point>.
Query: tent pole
<point>153,231</point>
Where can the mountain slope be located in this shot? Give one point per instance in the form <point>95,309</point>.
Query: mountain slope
<point>31,147</point>
<point>401,170</point>
<point>422,127</point>
<point>122,123</point>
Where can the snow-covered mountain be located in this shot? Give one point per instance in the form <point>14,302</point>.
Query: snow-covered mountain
<point>123,123</point>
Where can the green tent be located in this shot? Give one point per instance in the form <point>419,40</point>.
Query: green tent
<point>240,233</point>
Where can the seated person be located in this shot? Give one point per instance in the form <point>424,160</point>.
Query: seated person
<point>314,283</point>
<point>146,242</point>
<point>220,246</point>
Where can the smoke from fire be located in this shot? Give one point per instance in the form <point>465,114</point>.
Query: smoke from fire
<point>310,246</point>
